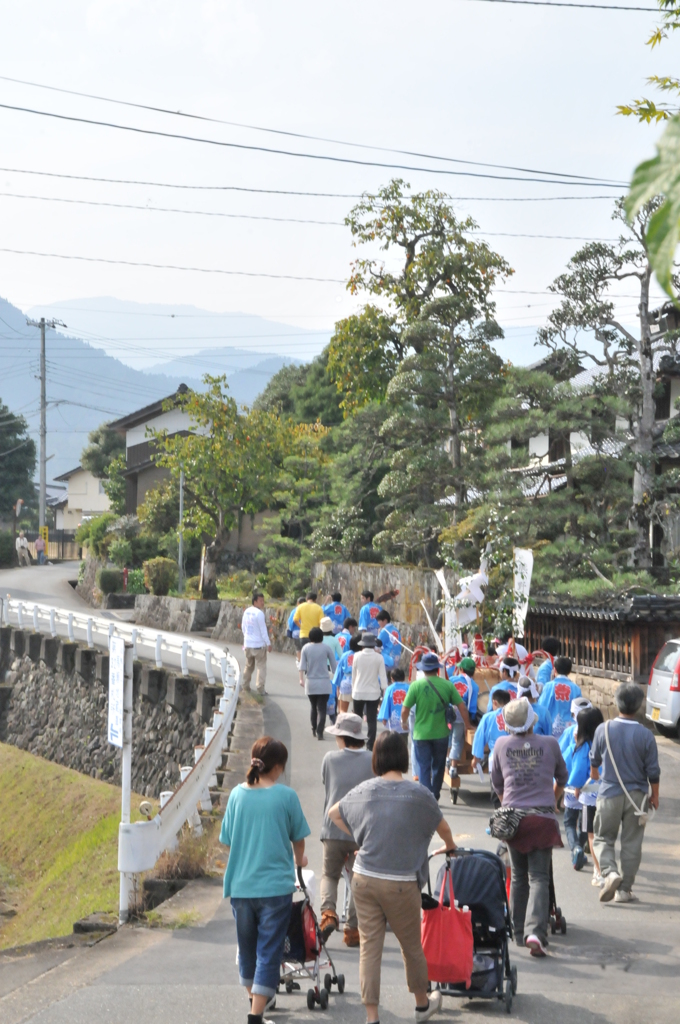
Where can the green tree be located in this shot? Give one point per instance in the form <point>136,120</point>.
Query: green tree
<point>115,485</point>
<point>104,445</point>
<point>644,109</point>
<point>17,462</point>
<point>300,496</point>
<point>305,393</point>
<point>438,258</point>
<point>230,460</point>
<point>585,325</point>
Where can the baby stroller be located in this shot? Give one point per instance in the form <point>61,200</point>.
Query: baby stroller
<point>305,955</point>
<point>479,883</point>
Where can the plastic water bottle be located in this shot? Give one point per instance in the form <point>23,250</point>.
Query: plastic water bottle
<point>466,910</point>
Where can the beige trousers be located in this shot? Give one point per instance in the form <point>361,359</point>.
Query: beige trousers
<point>379,903</point>
<point>255,656</point>
<point>24,556</point>
<point>335,853</point>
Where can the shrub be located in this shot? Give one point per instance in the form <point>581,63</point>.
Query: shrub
<point>193,585</point>
<point>242,583</point>
<point>135,584</point>
<point>95,534</point>
<point>160,575</point>
<point>188,860</point>
<point>276,588</point>
<point>6,549</point>
<point>144,548</point>
<point>110,581</point>
<point>120,553</point>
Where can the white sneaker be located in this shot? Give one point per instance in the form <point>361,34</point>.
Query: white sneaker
<point>611,883</point>
<point>625,896</point>
<point>535,946</point>
<point>435,1003</point>
<point>598,880</point>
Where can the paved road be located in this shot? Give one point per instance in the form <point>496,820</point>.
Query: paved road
<point>616,965</point>
<point>46,584</point>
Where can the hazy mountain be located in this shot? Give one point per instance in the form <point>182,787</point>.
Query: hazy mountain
<point>147,335</point>
<point>86,387</point>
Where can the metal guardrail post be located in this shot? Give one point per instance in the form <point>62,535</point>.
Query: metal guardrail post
<point>35,618</point>
<point>183,658</point>
<point>89,633</point>
<point>20,610</point>
<point>159,656</point>
<point>53,624</point>
<point>71,634</point>
<point>126,878</point>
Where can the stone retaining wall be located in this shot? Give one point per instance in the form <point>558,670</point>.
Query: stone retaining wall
<point>54,703</point>
<point>176,614</point>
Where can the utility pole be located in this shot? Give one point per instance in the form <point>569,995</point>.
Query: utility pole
<point>42,324</point>
<point>180,581</point>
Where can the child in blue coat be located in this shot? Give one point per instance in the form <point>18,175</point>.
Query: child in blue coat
<point>526,687</point>
<point>579,777</point>
<point>558,694</point>
<point>462,678</point>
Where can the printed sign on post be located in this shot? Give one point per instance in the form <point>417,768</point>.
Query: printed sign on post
<point>116,689</point>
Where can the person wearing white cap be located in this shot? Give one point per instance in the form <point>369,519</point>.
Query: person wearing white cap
<point>568,737</point>
<point>341,771</point>
<point>529,775</point>
<point>329,638</point>
<point>526,687</point>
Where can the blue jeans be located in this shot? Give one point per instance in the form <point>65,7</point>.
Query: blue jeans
<point>572,827</point>
<point>457,741</point>
<point>261,927</point>
<point>430,758</point>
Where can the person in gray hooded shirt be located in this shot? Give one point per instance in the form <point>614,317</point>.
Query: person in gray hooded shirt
<point>341,771</point>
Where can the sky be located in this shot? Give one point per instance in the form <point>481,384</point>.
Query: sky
<point>499,83</point>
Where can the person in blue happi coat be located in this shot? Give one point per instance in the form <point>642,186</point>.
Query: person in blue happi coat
<point>510,673</point>
<point>558,694</point>
<point>390,636</point>
<point>526,687</point>
<point>461,676</point>
<point>349,629</point>
<point>552,646</point>
<point>336,611</point>
<point>491,726</point>
<point>342,679</point>
<point>370,609</point>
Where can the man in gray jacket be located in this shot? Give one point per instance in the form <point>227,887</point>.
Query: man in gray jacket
<point>625,758</point>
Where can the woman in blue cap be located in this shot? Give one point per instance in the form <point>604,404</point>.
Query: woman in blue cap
<point>431,697</point>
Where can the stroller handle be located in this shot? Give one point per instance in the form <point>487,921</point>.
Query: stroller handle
<point>301,879</point>
<point>457,852</point>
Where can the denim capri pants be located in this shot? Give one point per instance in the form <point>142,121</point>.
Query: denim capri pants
<point>261,928</point>
<point>457,741</point>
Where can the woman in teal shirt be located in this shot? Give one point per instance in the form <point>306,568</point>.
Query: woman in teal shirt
<point>265,830</point>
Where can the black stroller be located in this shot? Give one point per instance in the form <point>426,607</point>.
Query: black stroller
<point>305,955</point>
<point>479,883</point>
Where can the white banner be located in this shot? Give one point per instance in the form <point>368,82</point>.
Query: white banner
<point>522,568</point>
<point>116,689</point>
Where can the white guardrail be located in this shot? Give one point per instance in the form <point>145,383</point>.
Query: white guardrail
<point>141,843</point>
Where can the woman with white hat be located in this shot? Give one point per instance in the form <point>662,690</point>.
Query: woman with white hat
<point>522,774</point>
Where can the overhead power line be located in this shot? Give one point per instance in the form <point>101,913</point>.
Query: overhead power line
<point>279,191</point>
<point>172,266</point>
<point>296,135</point>
<point>247,216</point>
<point>309,156</point>
<point>564,3</point>
<point>167,209</point>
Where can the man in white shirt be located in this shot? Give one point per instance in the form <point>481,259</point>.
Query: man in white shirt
<point>21,544</point>
<point>369,681</point>
<point>256,643</point>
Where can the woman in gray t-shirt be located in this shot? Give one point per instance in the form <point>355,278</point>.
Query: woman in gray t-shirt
<point>317,665</point>
<point>392,820</point>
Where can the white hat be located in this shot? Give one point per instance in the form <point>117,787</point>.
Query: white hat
<point>579,704</point>
<point>519,715</point>
<point>326,624</point>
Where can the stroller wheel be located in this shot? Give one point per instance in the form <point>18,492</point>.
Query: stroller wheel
<point>563,925</point>
<point>341,983</point>
<point>328,982</point>
<point>553,926</point>
<point>454,796</point>
<point>311,998</point>
<point>323,998</point>
<point>289,987</point>
<point>513,979</point>
<point>508,996</point>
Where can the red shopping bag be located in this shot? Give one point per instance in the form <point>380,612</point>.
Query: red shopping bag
<point>446,934</point>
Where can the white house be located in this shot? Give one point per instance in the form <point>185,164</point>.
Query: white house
<point>85,497</point>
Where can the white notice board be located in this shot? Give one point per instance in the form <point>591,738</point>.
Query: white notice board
<point>116,689</point>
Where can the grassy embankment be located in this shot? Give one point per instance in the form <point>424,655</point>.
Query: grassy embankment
<point>58,846</point>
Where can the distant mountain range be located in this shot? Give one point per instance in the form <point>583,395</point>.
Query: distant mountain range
<point>86,386</point>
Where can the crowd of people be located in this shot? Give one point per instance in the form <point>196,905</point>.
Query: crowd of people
<point>542,741</point>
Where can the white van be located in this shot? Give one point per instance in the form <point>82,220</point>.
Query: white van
<point>663,692</point>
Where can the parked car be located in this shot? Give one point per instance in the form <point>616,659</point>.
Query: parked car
<point>663,692</point>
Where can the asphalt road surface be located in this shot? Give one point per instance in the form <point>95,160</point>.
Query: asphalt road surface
<point>617,964</point>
